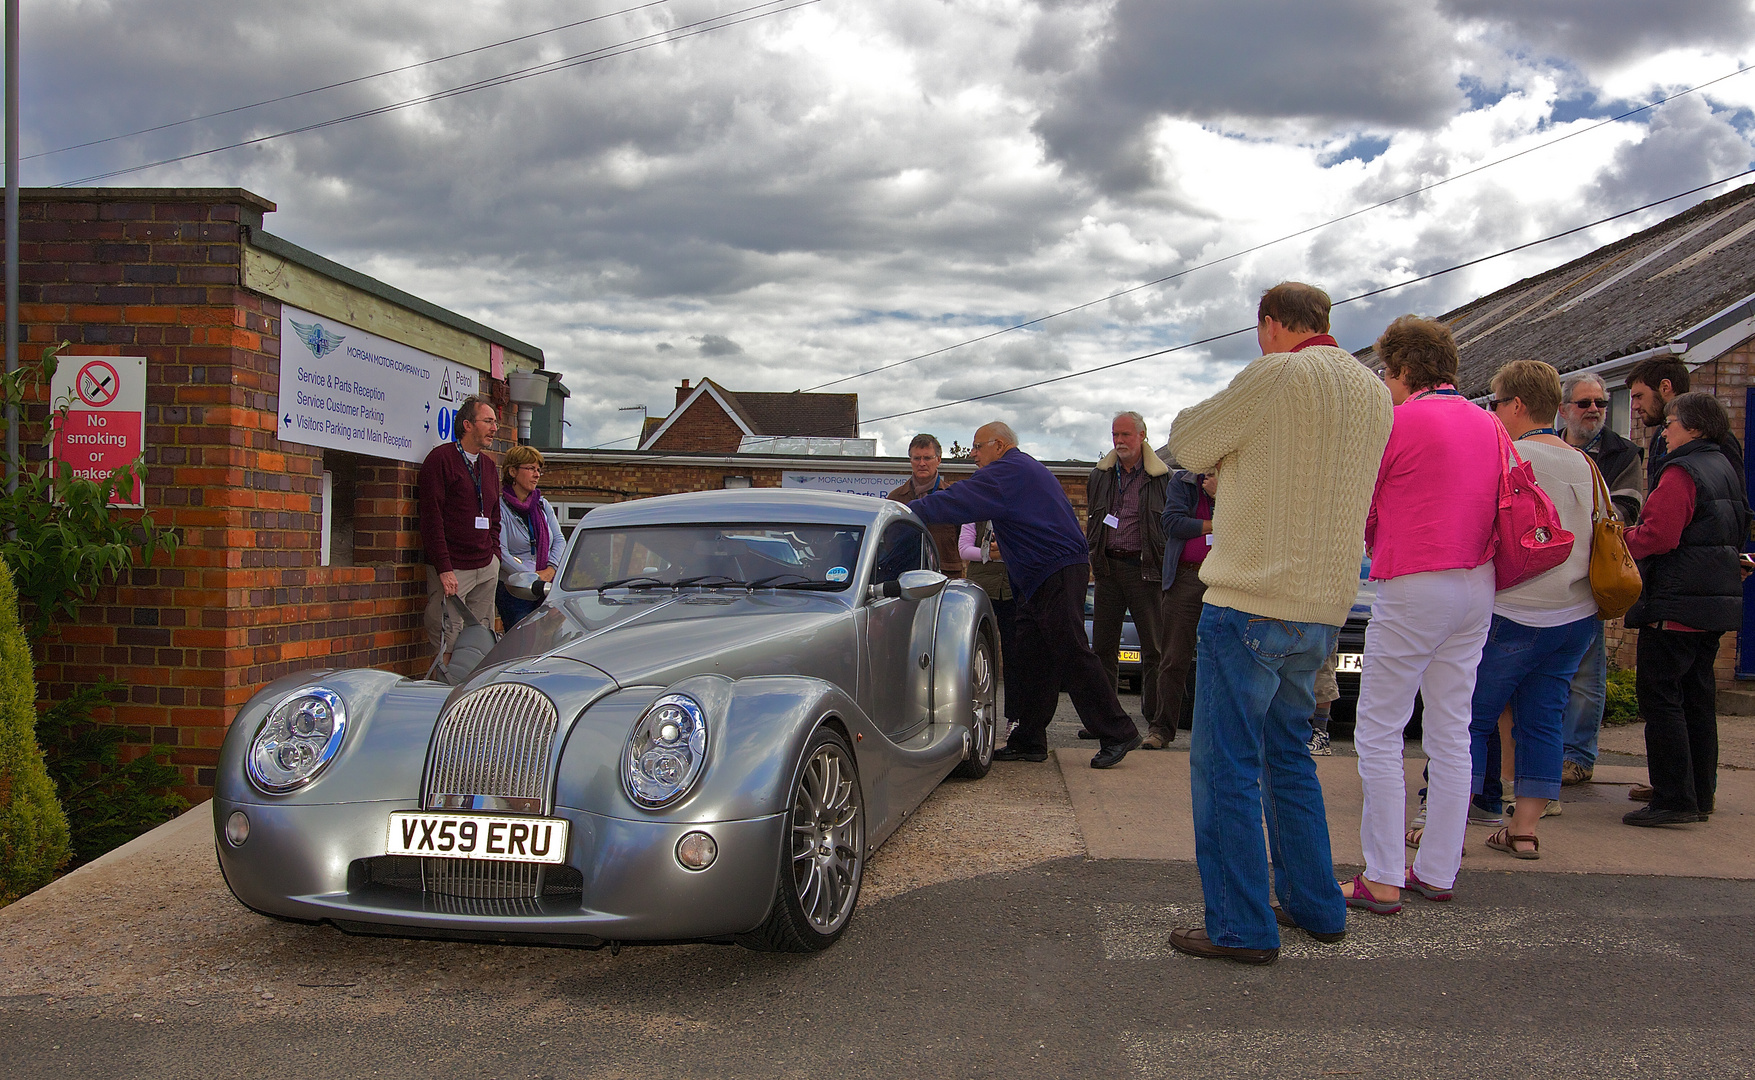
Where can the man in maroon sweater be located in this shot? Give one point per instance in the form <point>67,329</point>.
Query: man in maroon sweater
<point>460,523</point>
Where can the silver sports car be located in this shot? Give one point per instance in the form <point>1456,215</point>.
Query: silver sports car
<point>726,702</point>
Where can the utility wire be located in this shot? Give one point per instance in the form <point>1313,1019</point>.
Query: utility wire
<point>1280,240</point>
<point>345,82</point>
<point>632,45</point>
<point>1247,329</point>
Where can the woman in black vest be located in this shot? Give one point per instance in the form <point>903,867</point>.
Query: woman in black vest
<point>1695,522</point>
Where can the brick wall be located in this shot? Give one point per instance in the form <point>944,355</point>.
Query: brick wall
<point>705,429</point>
<point>244,600</point>
<point>645,475</point>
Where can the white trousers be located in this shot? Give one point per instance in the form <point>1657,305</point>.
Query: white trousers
<point>1425,635</point>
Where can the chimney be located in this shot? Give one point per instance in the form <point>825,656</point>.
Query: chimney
<point>682,392</point>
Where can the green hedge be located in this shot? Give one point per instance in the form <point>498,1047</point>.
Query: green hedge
<point>33,828</point>
<point>1622,706</point>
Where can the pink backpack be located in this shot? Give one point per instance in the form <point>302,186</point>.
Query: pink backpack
<point>1527,538</point>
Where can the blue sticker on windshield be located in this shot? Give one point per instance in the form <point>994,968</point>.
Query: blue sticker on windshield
<point>836,573</point>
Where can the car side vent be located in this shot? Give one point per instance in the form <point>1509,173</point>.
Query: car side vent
<point>492,752</point>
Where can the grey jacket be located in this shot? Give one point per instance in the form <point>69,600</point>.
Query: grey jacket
<point>516,553</point>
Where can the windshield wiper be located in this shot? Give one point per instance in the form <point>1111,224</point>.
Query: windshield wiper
<point>768,582</point>
<point>706,580</point>
<point>638,581</point>
<point>773,582</point>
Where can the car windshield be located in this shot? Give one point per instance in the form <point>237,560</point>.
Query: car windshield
<point>715,556</point>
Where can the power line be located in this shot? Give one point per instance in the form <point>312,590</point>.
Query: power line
<point>1248,329</point>
<point>345,82</point>
<point>1280,240</point>
<point>632,45</point>
<point>1348,300</point>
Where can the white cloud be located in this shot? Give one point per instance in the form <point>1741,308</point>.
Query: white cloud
<point>845,186</point>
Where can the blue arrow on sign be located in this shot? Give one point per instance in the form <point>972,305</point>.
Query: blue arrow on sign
<point>289,420</point>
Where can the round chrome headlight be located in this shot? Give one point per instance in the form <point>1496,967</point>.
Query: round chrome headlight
<point>300,736</point>
<point>666,751</point>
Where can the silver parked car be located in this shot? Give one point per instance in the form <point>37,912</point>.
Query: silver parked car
<point>726,703</point>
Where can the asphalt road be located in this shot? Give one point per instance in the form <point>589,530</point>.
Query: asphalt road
<point>1060,970</point>
<point>1056,969</point>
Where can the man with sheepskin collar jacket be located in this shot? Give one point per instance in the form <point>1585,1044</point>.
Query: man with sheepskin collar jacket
<point>1124,504</point>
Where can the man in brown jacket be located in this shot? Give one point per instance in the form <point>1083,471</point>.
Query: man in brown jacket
<point>1124,507</point>
<point>924,455</point>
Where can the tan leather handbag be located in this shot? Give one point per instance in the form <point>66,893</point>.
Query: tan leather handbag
<point>1614,579</point>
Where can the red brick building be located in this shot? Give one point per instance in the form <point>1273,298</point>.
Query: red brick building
<point>713,420</point>
<point>292,555</point>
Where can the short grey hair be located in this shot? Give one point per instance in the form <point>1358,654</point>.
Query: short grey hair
<point>1139,421</point>
<point>1701,412</point>
<point>1573,383</point>
<point>1003,432</point>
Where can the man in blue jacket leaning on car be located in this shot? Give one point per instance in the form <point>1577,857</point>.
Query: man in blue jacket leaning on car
<point>1049,565</point>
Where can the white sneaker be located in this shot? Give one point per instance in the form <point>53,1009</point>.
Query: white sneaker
<point>1552,809</point>
<point>1319,745</point>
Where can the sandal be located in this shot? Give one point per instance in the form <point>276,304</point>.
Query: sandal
<point>1363,899</point>
<point>1430,892</point>
<point>1414,835</point>
<point>1505,840</point>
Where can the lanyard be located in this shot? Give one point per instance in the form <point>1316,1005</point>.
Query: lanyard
<point>1441,391</point>
<point>474,474</point>
<point>1539,431</point>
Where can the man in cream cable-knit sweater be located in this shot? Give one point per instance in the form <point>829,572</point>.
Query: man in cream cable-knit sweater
<point>1295,440</point>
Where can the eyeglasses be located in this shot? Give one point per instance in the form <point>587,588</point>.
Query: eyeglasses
<point>1590,403</point>
<point>982,443</point>
<point>1492,403</point>
<point>537,469</point>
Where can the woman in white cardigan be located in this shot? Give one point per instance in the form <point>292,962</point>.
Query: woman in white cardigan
<point>530,532</point>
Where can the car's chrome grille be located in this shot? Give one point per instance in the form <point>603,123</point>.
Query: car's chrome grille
<point>464,887</point>
<point>495,743</point>
<point>482,880</point>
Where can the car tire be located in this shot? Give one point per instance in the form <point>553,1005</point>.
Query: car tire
<point>984,724</point>
<point>822,852</point>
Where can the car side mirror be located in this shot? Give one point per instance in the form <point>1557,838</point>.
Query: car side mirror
<point>526,586</point>
<point>909,585</point>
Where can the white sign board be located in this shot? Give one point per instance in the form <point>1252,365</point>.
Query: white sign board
<point>347,389</point>
<point>105,426</point>
<point>847,483</point>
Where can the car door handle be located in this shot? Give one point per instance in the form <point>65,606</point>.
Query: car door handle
<point>925,660</point>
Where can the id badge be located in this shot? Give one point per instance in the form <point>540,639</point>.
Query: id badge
<point>481,522</point>
<point>1112,521</point>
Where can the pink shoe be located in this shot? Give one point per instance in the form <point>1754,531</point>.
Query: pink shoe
<point>1363,899</point>
<point>1430,892</point>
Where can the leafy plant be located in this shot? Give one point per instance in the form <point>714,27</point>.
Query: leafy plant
<point>108,802</point>
<point>61,537</point>
<point>1622,705</point>
<point>33,829</point>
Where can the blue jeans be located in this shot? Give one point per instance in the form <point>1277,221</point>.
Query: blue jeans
<point>1584,709</point>
<point>1248,754</point>
<point>1530,668</point>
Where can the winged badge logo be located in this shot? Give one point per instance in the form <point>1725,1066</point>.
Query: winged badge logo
<point>320,341</point>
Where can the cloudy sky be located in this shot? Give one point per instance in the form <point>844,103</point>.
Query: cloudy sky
<point>832,186</point>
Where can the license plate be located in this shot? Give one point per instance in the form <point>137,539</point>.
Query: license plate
<point>1130,656</point>
<point>1351,661</point>
<point>492,837</point>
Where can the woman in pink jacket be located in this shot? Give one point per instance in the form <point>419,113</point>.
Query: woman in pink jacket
<point>1430,532</point>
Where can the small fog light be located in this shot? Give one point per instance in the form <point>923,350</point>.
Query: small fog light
<point>237,829</point>
<point>696,851</point>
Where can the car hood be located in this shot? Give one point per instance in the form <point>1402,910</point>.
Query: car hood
<point>661,637</point>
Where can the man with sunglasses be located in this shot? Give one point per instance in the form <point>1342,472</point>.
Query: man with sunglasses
<point>1584,416</point>
<point>1584,412</point>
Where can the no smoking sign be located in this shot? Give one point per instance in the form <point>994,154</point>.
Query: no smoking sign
<point>105,424</point>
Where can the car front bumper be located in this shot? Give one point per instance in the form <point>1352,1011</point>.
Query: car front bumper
<point>309,862</point>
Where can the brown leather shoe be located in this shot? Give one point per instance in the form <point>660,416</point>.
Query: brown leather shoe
<point>1195,943</point>
<point>1571,772</point>
<point>1157,739</point>
<point>1640,792</point>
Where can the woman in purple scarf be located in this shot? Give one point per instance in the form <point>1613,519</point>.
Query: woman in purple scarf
<point>530,533</point>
